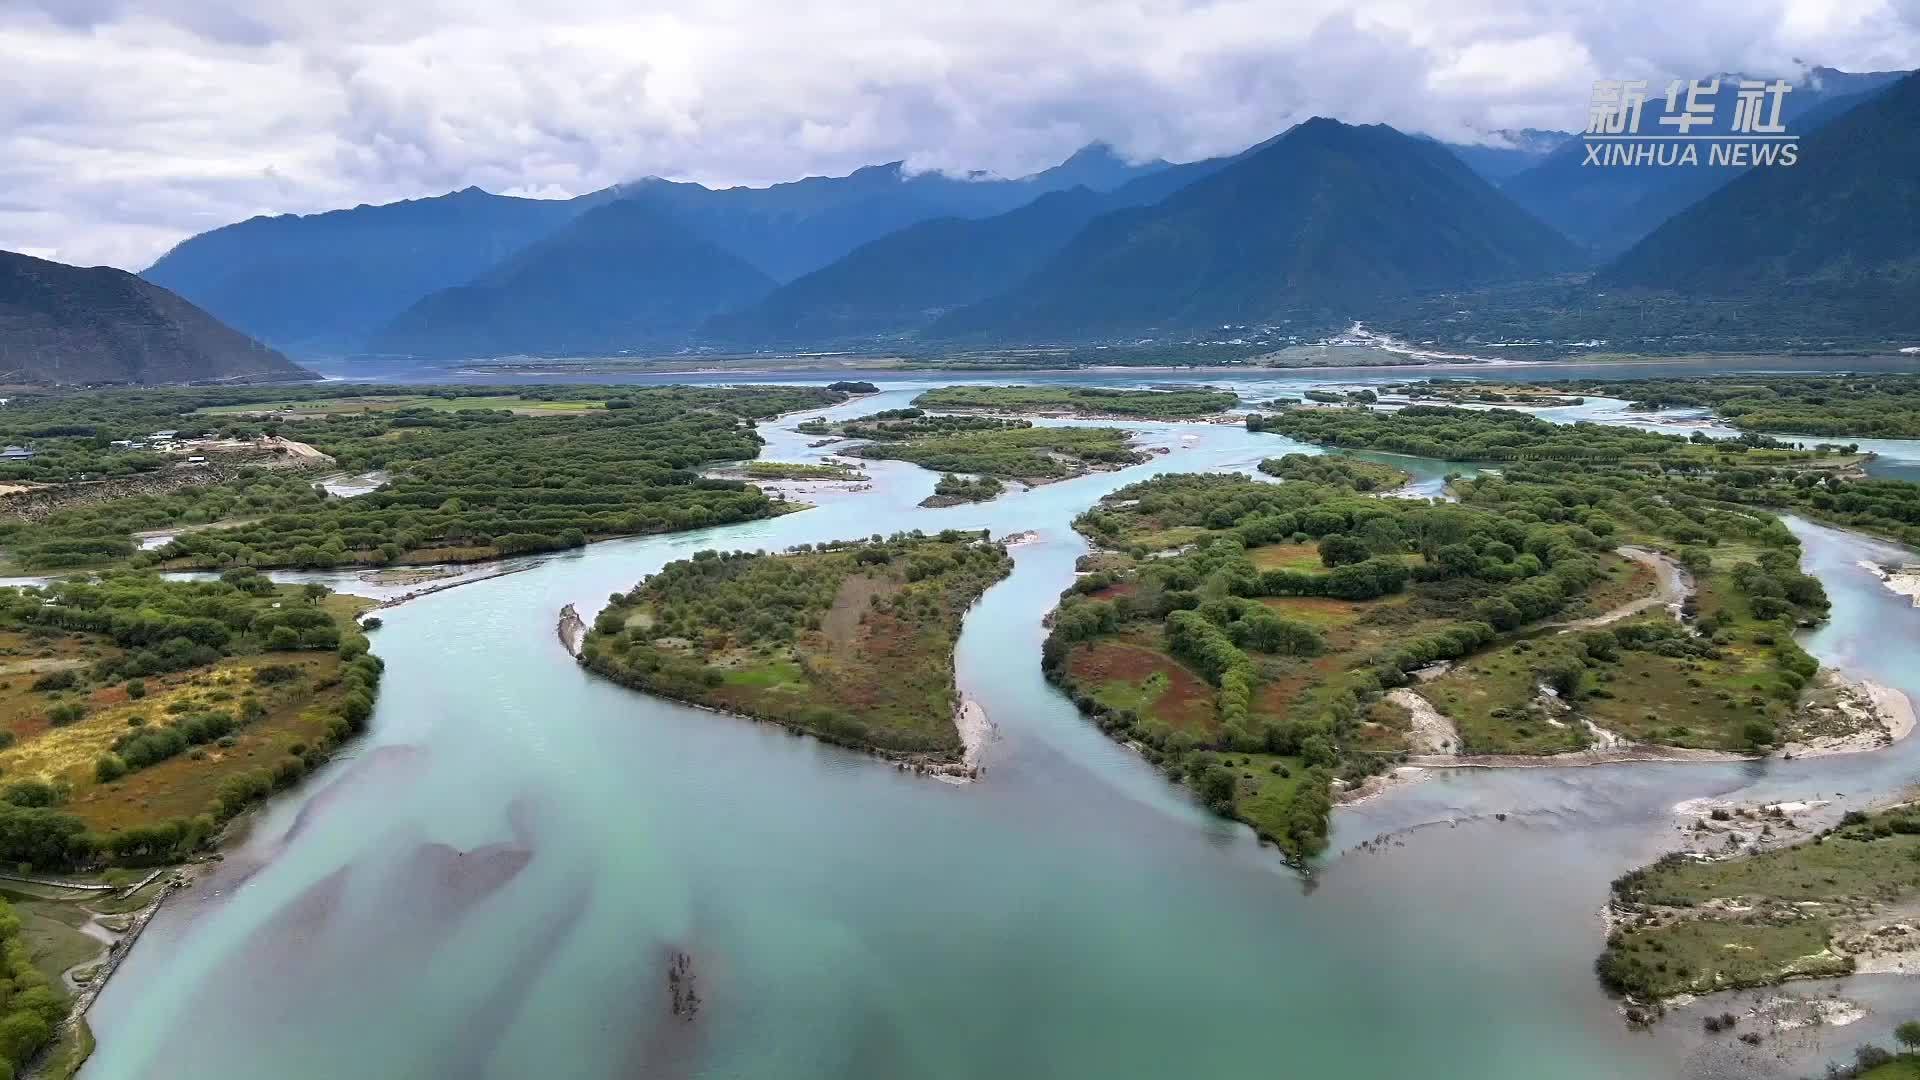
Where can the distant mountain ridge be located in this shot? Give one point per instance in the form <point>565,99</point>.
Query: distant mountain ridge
<point>1505,153</point>
<point>908,277</point>
<point>1318,220</point>
<point>1845,218</point>
<point>904,280</point>
<point>1318,224</point>
<point>326,283</point>
<point>794,228</point>
<point>323,282</point>
<point>622,275</point>
<point>63,324</point>
<point>1608,209</point>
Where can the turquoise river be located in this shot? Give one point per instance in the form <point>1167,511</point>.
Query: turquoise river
<point>492,884</point>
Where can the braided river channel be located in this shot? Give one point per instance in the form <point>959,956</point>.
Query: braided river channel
<point>495,881</point>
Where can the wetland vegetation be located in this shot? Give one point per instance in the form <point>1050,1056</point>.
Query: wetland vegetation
<point>987,446</point>
<point>468,484</point>
<point>1856,406</point>
<point>1175,403</point>
<point>1755,915</point>
<point>953,489</point>
<point>1339,634</point>
<point>793,470</point>
<point>851,642</point>
<point>1447,433</point>
<point>1337,470</point>
<point>145,713</point>
<point>1823,481</point>
<point>1850,406</point>
<point>1241,634</point>
<point>138,716</point>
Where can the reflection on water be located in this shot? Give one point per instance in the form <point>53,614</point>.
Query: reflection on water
<point>489,884</point>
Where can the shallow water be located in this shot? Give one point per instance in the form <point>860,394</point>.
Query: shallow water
<point>492,882</point>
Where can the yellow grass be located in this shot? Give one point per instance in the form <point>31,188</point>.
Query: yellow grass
<point>1303,557</point>
<point>181,786</point>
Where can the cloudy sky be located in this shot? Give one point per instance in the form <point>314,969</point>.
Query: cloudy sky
<point>126,125</point>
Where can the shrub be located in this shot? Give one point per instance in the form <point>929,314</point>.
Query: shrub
<point>269,674</point>
<point>37,793</point>
<point>56,680</point>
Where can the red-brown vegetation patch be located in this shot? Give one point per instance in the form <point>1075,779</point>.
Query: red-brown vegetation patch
<point>1186,704</point>
<point>841,624</point>
<point>1634,582</point>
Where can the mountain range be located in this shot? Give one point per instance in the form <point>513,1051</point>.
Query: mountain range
<point>1844,220</point>
<point>323,282</point>
<point>1324,218</point>
<point>1507,153</point>
<point>791,229</point>
<point>906,279</point>
<point>621,275</point>
<point>1608,209</point>
<point>330,283</point>
<point>67,324</point>
<point>1319,225</point>
<point>1305,225</point>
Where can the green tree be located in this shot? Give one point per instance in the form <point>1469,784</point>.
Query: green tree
<point>1215,788</point>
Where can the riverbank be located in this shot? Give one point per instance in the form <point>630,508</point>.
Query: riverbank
<point>73,1033</point>
<point>1575,759</point>
<point>1002,413</point>
<point>1875,715</point>
<point>1870,716</point>
<point>1756,898</point>
<point>430,590</point>
<point>976,731</point>
<point>1899,580</point>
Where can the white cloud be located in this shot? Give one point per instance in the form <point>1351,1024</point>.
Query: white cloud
<point>128,124</point>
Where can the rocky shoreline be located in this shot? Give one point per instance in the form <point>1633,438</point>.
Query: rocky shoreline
<point>90,980</point>
<point>1901,580</point>
<point>1877,716</point>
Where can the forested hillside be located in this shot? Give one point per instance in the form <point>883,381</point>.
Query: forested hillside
<point>1322,220</point>
<point>1843,224</point>
<point>325,282</point>
<point>619,277</point>
<point>63,324</point>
